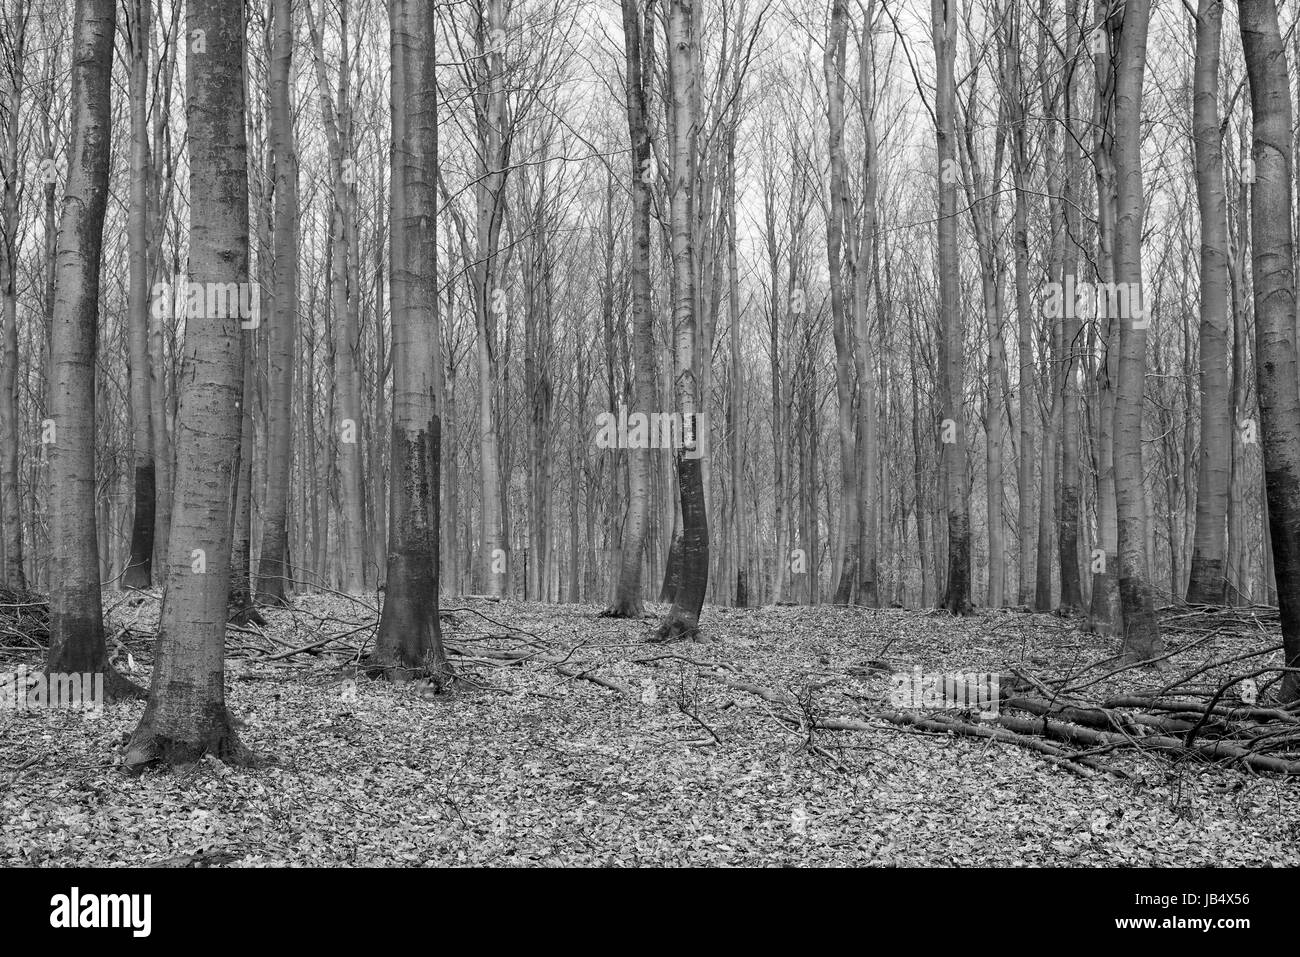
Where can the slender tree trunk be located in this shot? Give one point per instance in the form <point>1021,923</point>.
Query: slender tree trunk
<point>639,47</point>
<point>1024,319</point>
<point>12,574</point>
<point>490,300</point>
<point>956,482</point>
<point>346,383</point>
<point>76,611</point>
<point>838,211</point>
<point>139,569</point>
<point>864,259</point>
<point>1105,615</point>
<point>1208,583</point>
<point>1067,518</point>
<point>273,571</point>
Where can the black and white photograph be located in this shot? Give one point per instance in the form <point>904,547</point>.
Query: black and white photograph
<point>650,435</point>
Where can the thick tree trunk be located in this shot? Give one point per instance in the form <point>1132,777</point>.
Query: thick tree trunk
<point>1208,583</point>
<point>638,41</point>
<point>410,637</point>
<point>1276,364</point>
<point>186,716</point>
<point>76,610</point>
<point>683,618</point>
<point>1141,630</point>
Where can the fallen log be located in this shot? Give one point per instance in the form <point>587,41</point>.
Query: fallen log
<point>1079,764</point>
<point>1212,750</point>
<point>1225,710</point>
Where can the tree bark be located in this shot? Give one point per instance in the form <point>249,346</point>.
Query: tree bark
<point>186,716</point>
<point>1208,582</point>
<point>273,571</point>
<point>1141,631</point>
<point>639,47</point>
<point>12,573</point>
<point>1276,365</point>
<point>956,481</point>
<point>410,636</point>
<point>76,610</point>
<point>683,618</point>
<point>139,569</point>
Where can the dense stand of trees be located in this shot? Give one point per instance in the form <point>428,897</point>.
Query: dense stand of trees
<point>994,305</point>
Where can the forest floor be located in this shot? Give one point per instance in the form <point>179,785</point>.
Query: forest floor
<point>679,758</point>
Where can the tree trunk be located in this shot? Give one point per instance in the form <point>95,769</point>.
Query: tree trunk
<point>1105,616</point>
<point>864,260</point>
<point>347,390</point>
<point>1141,631</point>
<point>838,211</point>
<point>186,716</point>
<point>956,482</point>
<point>273,571</point>
<point>410,636</point>
<point>139,569</point>
<point>1208,583</point>
<point>639,46</point>
<point>1272,244</point>
<point>490,299</point>
<point>1067,518</point>
<point>683,618</point>
<point>12,574</point>
<point>76,610</point>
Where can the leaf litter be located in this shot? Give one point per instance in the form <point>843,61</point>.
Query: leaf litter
<point>568,739</point>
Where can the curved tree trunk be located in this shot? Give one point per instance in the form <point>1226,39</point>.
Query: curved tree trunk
<point>1105,614</point>
<point>76,610</point>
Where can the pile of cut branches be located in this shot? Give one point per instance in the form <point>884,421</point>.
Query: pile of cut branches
<point>1080,732</point>
<point>24,623</point>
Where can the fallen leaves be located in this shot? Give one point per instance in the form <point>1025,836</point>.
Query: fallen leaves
<point>526,765</point>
